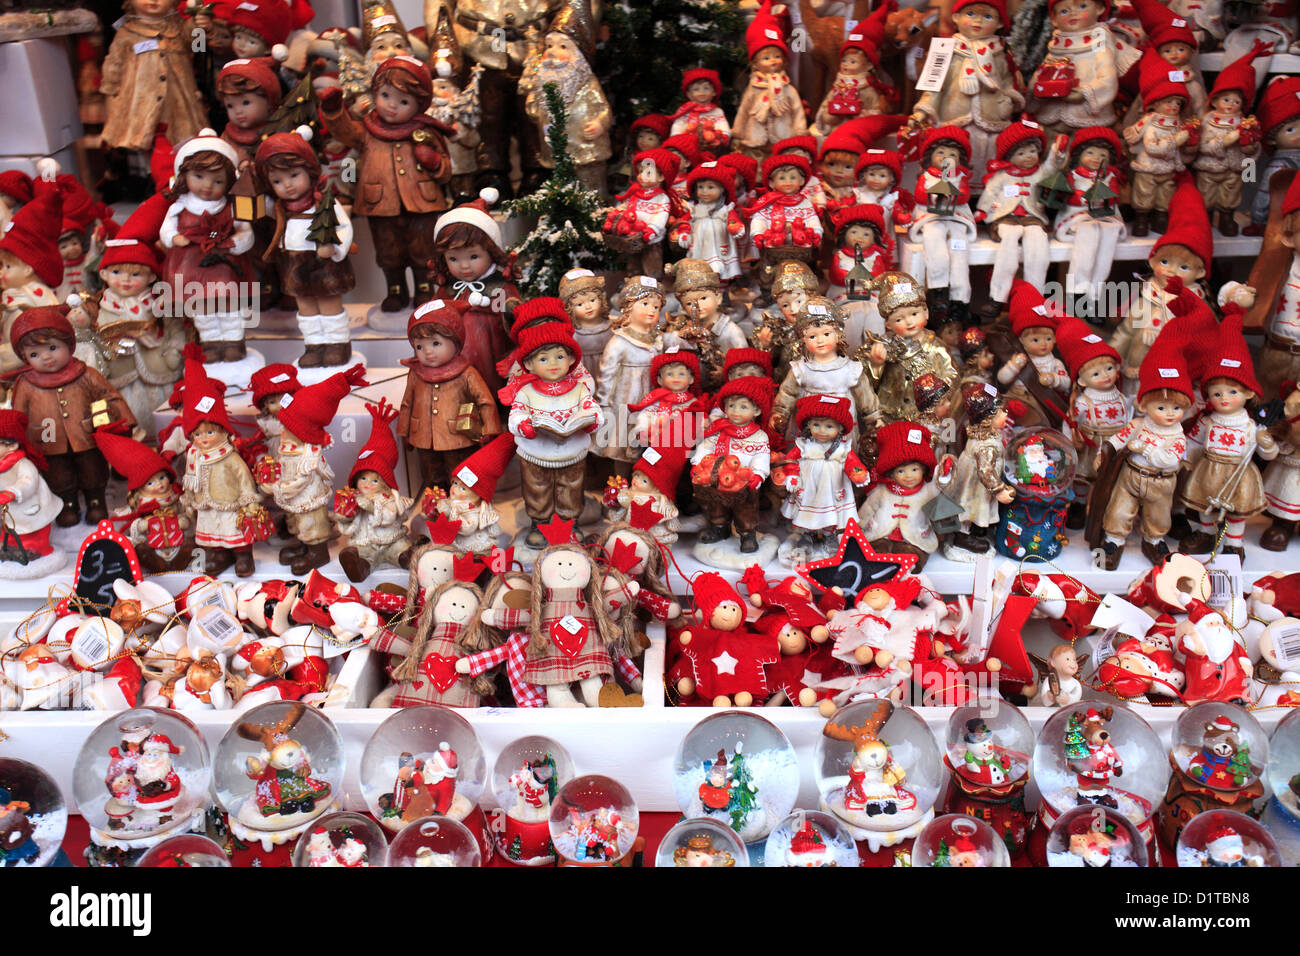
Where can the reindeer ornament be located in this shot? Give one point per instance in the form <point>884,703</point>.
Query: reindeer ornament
<point>286,796</point>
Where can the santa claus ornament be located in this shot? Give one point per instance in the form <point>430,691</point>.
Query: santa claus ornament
<point>435,842</point>
<point>1039,465</point>
<point>594,822</point>
<point>342,839</point>
<point>990,744</point>
<point>810,838</point>
<point>140,777</point>
<point>696,843</point>
<point>1095,837</point>
<point>526,779</point>
<point>957,840</point>
<point>1226,838</point>
<point>33,815</point>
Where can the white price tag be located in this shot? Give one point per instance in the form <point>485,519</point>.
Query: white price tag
<point>958,245</point>
<point>1010,189</point>
<point>90,645</point>
<point>205,404</point>
<point>1040,309</point>
<point>220,628</point>
<point>937,63</point>
<point>652,456</point>
<point>1092,339</point>
<point>145,46</point>
<point>571,624</point>
<point>385,20</point>
<point>278,378</point>
<point>1168,372</point>
<point>650,282</point>
<point>286,401</point>
<point>366,453</point>
<point>1120,615</point>
<point>816,308</point>
<point>579,274</point>
<point>1230,363</point>
<point>1105,647</point>
<point>904,288</point>
<point>672,350</point>
<point>467,477</point>
<point>914,436</point>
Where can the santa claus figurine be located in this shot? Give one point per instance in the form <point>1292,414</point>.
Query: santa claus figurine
<point>1217,665</point>
<point>1224,847</point>
<point>439,773</point>
<point>157,781</point>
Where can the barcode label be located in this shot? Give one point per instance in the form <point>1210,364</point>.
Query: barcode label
<point>214,595</point>
<point>1286,646</point>
<point>937,63</point>
<point>1105,647</point>
<point>90,646</point>
<point>1220,589</point>
<point>220,628</point>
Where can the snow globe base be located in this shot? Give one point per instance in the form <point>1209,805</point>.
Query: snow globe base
<point>296,824</point>
<point>236,375</point>
<point>111,849</point>
<point>393,322</point>
<point>876,840</point>
<point>1007,816</point>
<point>37,567</point>
<point>524,843</point>
<point>727,554</point>
<point>792,553</point>
<point>314,376</point>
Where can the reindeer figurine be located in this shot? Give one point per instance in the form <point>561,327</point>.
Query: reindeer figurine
<point>874,777</point>
<point>285,787</point>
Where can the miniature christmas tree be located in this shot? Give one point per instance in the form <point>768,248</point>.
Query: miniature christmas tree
<point>569,215</point>
<point>943,855</point>
<point>744,792</point>
<point>1076,746</point>
<point>325,222</point>
<point>1031,31</point>
<point>1240,766</point>
<point>516,848</point>
<point>298,108</point>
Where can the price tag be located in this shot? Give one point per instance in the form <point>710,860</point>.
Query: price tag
<point>90,645</point>
<point>1010,189</point>
<point>570,624</point>
<point>903,288</point>
<point>205,404</point>
<point>286,400</point>
<point>1168,372</point>
<point>650,282</point>
<point>385,20</point>
<point>1286,646</point>
<point>145,46</point>
<point>1105,647</point>
<point>914,436</point>
<point>1230,363</point>
<point>219,628</point>
<point>1092,339</point>
<point>958,245</point>
<point>467,477</point>
<point>1115,613</point>
<point>937,63</point>
<point>579,274</point>
<point>816,308</point>
<point>278,378</point>
<point>652,456</point>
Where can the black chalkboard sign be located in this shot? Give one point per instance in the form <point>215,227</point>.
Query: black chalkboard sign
<point>105,557</point>
<point>856,565</point>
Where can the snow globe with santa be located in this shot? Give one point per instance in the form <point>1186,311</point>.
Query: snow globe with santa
<point>33,814</point>
<point>420,762</point>
<point>989,748</point>
<point>700,842</point>
<point>140,777</point>
<point>435,842</point>
<point>594,822</point>
<point>1282,777</point>
<point>1039,464</point>
<point>878,769</point>
<point>186,849</point>
<point>278,768</point>
<point>810,838</point>
<point>956,839</point>
<point>1218,756</point>
<point>1226,838</point>
<point>1090,754</point>
<point>1095,836</point>
<point>342,839</point>
<point>526,778</point>
<point>739,769</point>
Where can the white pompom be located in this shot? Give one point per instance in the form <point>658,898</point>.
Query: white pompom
<point>279,53</point>
<point>444,69</point>
<point>73,300</point>
<point>207,132</point>
<point>489,194</point>
<point>48,168</point>
<point>305,132</point>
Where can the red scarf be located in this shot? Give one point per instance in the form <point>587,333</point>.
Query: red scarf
<point>638,193</point>
<point>661,395</point>
<point>17,455</point>
<point>774,198</point>
<point>894,488</point>
<point>428,157</point>
<point>441,373</point>
<point>64,376</point>
<point>562,387</point>
<point>728,431</point>
<point>690,106</point>
<point>997,165</point>
<point>243,137</point>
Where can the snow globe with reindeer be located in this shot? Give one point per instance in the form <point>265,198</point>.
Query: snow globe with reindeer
<point>811,838</point>
<point>956,839</point>
<point>342,839</point>
<point>989,748</point>
<point>278,768</point>
<point>594,822</point>
<point>878,769</point>
<point>33,814</point>
<point>141,776</point>
<point>1039,464</point>
<point>1095,836</point>
<point>526,779</point>
<point>1282,777</point>
<point>1226,838</point>
<point>701,842</point>
<point>738,769</point>
<point>435,842</point>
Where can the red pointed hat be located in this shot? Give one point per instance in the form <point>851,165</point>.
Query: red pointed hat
<point>663,466</point>
<point>275,379</point>
<point>861,133</point>
<point>900,442</point>
<point>1189,223</point>
<point>379,453</point>
<point>687,145</point>
<point>764,31</point>
<point>16,185</point>
<point>1157,79</point>
<point>13,427</point>
<point>33,234</point>
<point>305,414</point>
<point>747,357</point>
<point>1164,367</point>
<point>1079,345</point>
<point>746,167</point>
<point>162,160</point>
<point>136,243</point>
<point>1239,75</point>
<point>834,407</point>
<point>270,19</point>
<point>710,590</point>
<point>1228,356</point>
<point>1028,310</point>
<point>79,207</point>
<point>1162,25</point>
<point>134,460</point>
<point>204,397</point>
<point>1291,202</point>
<point>1279,103</point>
<point>869,34</point>
<point>481,471</point>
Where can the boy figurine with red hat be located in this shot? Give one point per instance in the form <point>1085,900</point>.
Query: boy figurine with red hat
<point>250,92</point>
<point>893,515</point>
<point>770,109</point>
<point>649,500</point>
<point>440,383</point>
<point>157,523</point>
<point>978,485</point>
<point>1098,409</point>
<point>943,222</point>
<point>1278,113</point>
<point>981,91</point>
<point>784,215</point>
<point>819,473</point>
<point>649,132</point>
<point>30,267</point>
<point>639,218</point>
<point>15,190</point>
<point>908,348</point>
<point>837,161</point>
<point>1173,38</point>
<point>469,501</point>
<point>26,503</point>
<point>303,483</point>
<point>860,233</point>
<point>877,176</point>
<point>670,411</point>
<point>371,511</point>
<point>714,232</point>
<point>700,115</point>
<point>856,91</point>
<point>1090,220</point>
<point>64,401</point>
<point>1034,322</point>
<point>1157,142</point>
<point>78,244</point>
<point>732,460</point>
<point>258,27</point>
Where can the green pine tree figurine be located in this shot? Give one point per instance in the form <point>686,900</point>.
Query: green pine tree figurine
<point>516,850</point>
<point>1076,746</point>
<point>1240,766</point>
<point>298,108</point>
<point>744,792</point>
<point>325,222</point>
<point>943,856</point>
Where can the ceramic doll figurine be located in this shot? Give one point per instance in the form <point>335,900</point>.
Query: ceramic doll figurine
<point>30,267</point>
<point>668,414</point>
<point>469,501</point>
<point>704,669</point>
<point>640,216</point>
<point>427,673</point>
<point>860,234</point>
<point>1035,375</point>
<point>981,91</point>
<point>784,215</point>
<point>978,485</point>
<point>731,461</point>
<point>441,382</point>
<point>838,158</point>
<point>893,516</point>
<point>160,526</point>
<point>700,115</point>
<point>908,350</point>
<point>649,132</point>
<point>79,234</point>
<point>822,469</point>
<point>1229,141</point>
<point>1282,477</point>
<point>1090,219</point>
<point>1157,141</point>
<point>286,791</point>
<point>27,503</point>
<point>1173,38</point>
<point>855,91</point>
<point>1078,81</point>
<point>1278,113</point>
<point>877,176</point>
<point>1061,687</point>
<point>714,232</point>
<point>624,374</point>
<point>703,324</point>
<point>792,283</point>
<point>1279,358</point>
<point>404,164</point>
<point>370,510</point>
<point>249,91</point>
<point>583,294</point>
<point>650,492</point>
<point>64,401</point>
<point>934,399</point>
<point>770,109</point>
<point>15,190</point>
<point>1013,208</point>
<point>1098,409</point>
<point>686,150</point>
<point>552,416</point>
<point>639,555</point>
<point>206,245</point>
<point>976,366</point>
<point>943,222</point>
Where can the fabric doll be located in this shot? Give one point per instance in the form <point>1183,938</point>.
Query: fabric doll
<point>651,492</point>
<point>1034,322</point>
<point>427,673</point>
<point>700,115</point>
<point>642,213</point>
<point>583,294</point>
<point>714,232</point>
<point>730,498</point>
<point>860,230</point>
<point>821,470</point>
<point>1090,220</point>
<point>703,669</point>
<point>1229,140</point>
<point>469,500</point>
<point>372,512</point>
<point>1157,143</point>
<point>943,222</point>
<point>639,555</point>
<point>624,374</point>
<point>784,215</point>
<point>856,91</point>
<point>703,323</point>
<point>28,504</point>
<point>1278,113</point>
<point>160,526</point>
<point>30,267</point>
<point>892,516</point>
<point>908,350</point>
<point>770,109</point>
<point>978,486</point>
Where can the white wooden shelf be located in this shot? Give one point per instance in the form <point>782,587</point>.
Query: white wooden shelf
<point>1279,63</point>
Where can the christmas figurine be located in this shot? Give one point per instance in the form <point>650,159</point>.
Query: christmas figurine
<point>714,232</point>
<point>1173,38</point>
<point>427,673</point>
<point>1282,477</point>
<point>893,516</point>
<point>823,368</point>
<point>1229,141</point>
<point>668,413</point>
<point>1279,358</point>
<point>1090,219</point>
<point>30,267</point>
<point>722,660</point>
<point>875,778</point>
<point>784,215</point>
<point>1158,141</point>
<point>1034,374</point>
<point>837,160</point>
<point>856,90</point>
<point>1223,761</point>
<point>861,238</point>
<point>469,501</point>
<point>649,132</point>
<point>1060,687</point>
<point>1091,755</point>
<point>821,470</point>
<point>877,176</point>
<point>250,92</point>
<point>583,294</point>
<point>1098,409</point>
<point>651,491</point>
<point>26,503</point>
<point>371,511</point>
<point>908,349</point>
<point>978,485</point>
<point>624,374</point>
<point>15,191</point>
<point>943,222</point>
<point>732,460</point>
<point>770,109</point>
<point>639,219</point>
<point>159,525</point>
<point>1278,113</point>
<point>792,283</point>
<point>286,793</point>
<point>1216,662</point>
<point>700,115</point>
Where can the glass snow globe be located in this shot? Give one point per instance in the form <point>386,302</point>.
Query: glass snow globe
<point>1282,771</point>
<point>33,814</point>
<point>699,842</point>
<point>1039,463</point>
<point>989,745</point>
<point>420,762</point>
<point>594,821</point>
<point>1095,836</point>
<point>878,770</point>
<point>435,841</point>
<point>958,840</point>
<point>278,768</point>
<point>526,777</point>
<point>342,839</point>
<point>187,849</point>
<point>1221,746</point>
<point>737,768</point>
<point>810,838</point>
<point>1226,838</point>
<point>141,776</point>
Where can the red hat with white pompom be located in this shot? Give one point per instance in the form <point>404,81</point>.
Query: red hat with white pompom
<point>136,242</point>
<point>161,743</point>
<point>207,141</point>
<point>260,71</point>
<point>474,213</point>
<point>296,143</point>
<point>270,19</point>
<point>33,232</point>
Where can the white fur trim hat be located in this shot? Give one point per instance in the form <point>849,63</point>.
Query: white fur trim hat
<point>475,214</point>
<point>207,140</point>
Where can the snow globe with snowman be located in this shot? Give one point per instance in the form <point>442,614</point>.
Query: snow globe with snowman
<point>342,839</point>
<point>526,779</point>
<point>738,769</point>
<point>1226,838</point>
<point>811,838</point>
<point>594,822</point>
<point>989,747</point>
<point>958,840</point>
<point>1282,777</point>
<point>701,842</point>
<point>33,815</point>
<point>1095,836</point>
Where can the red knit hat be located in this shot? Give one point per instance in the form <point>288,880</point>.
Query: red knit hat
<point>306,413</point>
<point>777,160</point>
<point>549,333</point>
<point>33,234</point>
<point>702,73</point>
<point>1164,367</point>
<point>663,466</point>
<point>1090,133</point>
<point>136,243</point>
<point>806,144</point>
<point>672,356</point>
<point>746,167</point>
<point>481,471</point>
<point>714,172</point>
<point>869,213</point>
<point>655,122</point>
<point>1239,75</point>
<point>16,185</point>
<point>13,427</point>
<point>1158,80</point>
<point>1189,223</point>
<point>1279,103</point>
<point>1228,356</point>
<point>413,68</point>
<point>79,208</point>
<point>52,317</point>
<point>997,5</point>
<point>834,407</point>
<point>710,590</point>
<point>441,314</point>
<point>664,161</point>
<point>269,19</point>
<point>889,158</point>
<point>757,390</point>
<point>736,357</point>
<point>134,460</point>
<point>204,397</point>
<point>869,34</point>
<point>1079,345</point>
<point>1022,131</point>
<point>536,312</point>
<point>1162,25</point>
<point>687,145</point>
<point>938,133</point>
<point>900,442</point>
<point>260,71</point>
<point>860,133</point>
<point>379,454</point>
<point>764,31</point>
<point>1028,310</point>
<point>275,379</point>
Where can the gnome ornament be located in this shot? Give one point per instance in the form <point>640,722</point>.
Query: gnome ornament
<point>370,510</point>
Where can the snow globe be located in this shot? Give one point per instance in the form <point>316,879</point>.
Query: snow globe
<point>737,768</point>
<point>701,841</point>
<point>420,762</point>
<point>141,776</point>
<point>1039,463</point>
<point>594,822</point>
<point>1095,836</point>
<point>1226,838</point>
<point>435,841</point>
<point>526,777</point>
<point>33,814</point>
<point>1219,752</point>
<point>342,839</point>
<point>278,768</point>
<point>1282,776</point>
<point>187,849</point>
<point>807,838</point>
<point>988,751</point>
<point>958,840</point>
<point>1099,755</point>
<point>878,770</point>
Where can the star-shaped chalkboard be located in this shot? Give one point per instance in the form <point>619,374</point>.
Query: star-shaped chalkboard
<point>855,565</point>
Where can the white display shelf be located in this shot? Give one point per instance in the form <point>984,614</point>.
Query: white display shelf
<point>1278,62</point>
